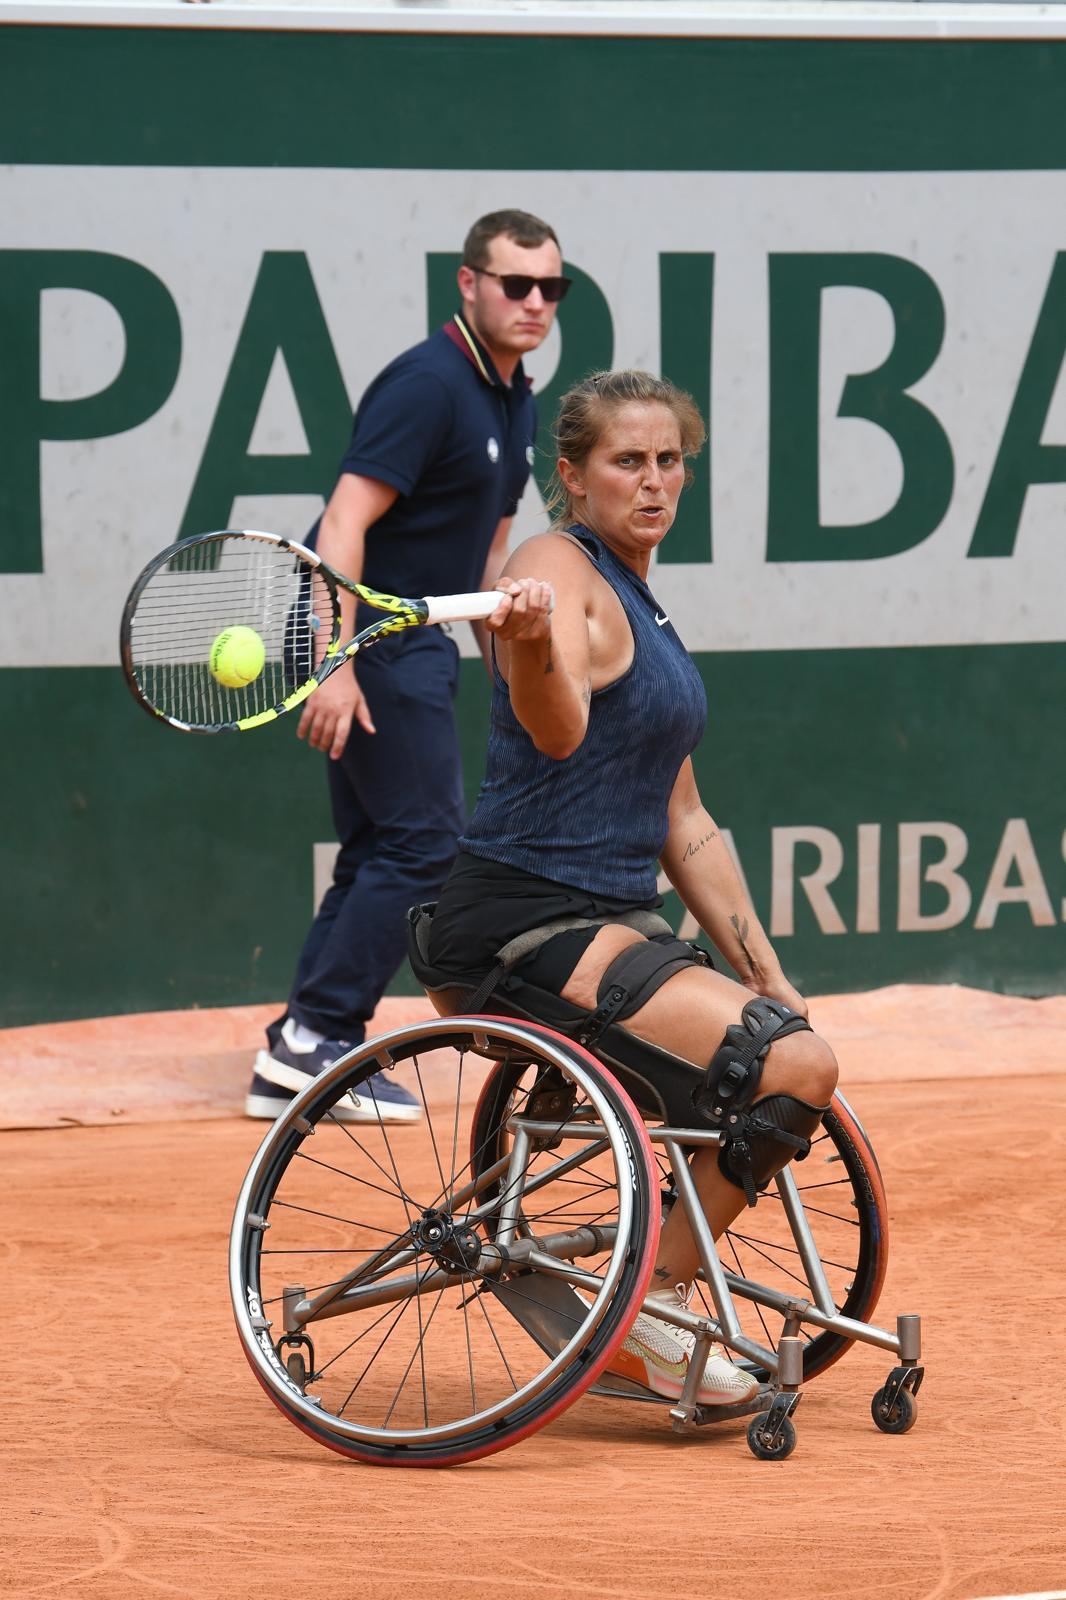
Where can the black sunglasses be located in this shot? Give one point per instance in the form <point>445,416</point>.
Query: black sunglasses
<point>516,285</point>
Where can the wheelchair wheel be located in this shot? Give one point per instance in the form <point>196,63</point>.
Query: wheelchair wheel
<point>843,1197</point>
<point>845,1207</point>
<point>445,1305</point>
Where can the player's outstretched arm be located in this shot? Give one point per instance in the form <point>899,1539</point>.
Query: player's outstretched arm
<point>543,649</point>
<point>494,565</point>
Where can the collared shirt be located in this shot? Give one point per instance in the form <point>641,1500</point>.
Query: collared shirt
<point>439,425</point>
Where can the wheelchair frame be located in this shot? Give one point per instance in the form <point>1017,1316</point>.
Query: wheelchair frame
<point>550,1118</point>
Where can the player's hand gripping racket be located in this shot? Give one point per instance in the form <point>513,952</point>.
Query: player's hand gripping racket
<point>228,631</point>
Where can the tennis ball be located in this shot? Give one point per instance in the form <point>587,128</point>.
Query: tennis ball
<point>237,657</point>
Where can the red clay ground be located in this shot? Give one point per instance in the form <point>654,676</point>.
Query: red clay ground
<point>143,1460</point>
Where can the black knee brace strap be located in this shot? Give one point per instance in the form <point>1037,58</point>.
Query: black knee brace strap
<point>633,977</point>
<point>775,1131</point>
<point>732,1078</point>
<point>729,1087</point>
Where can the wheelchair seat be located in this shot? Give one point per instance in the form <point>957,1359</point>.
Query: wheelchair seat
<point>660,1083</point>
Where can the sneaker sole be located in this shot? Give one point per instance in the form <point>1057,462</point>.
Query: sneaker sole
<point>269,1107</point>
<point>669,1386</point>
<point>669,1389</point>
<point>362,1108</point>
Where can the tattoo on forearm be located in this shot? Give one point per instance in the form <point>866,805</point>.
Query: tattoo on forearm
<point>549,665</point>
<point>741,931</point>
<point>698,844</point>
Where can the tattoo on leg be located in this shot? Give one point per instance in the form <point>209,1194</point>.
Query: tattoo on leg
<point>662,1272</point>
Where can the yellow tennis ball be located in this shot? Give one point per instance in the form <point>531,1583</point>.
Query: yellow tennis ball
<point>237,657</point>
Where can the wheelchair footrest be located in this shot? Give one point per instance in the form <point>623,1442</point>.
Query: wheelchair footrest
<point>611,1386</point>
<point>695,1416</point>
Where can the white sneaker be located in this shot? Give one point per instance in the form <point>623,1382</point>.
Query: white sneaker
<point>656,1354</point>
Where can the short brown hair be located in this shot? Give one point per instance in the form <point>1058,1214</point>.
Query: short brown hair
<point>521,226</point>
<point>585,410</point>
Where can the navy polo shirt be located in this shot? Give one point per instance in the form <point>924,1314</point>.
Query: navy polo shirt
<point>441,426</point>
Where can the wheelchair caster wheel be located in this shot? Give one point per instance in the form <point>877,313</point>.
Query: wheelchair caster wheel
<point>771,1443</point>
<point>896,1416</point>
<point>297,1353</point>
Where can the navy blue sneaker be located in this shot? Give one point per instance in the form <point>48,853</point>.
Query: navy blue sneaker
<point>284,1070</point>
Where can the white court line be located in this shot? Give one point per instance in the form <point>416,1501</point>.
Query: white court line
<point>1045,1594</point>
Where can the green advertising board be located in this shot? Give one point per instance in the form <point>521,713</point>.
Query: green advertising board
<point>848,250</point>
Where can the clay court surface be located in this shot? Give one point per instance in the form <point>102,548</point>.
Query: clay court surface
<point>142,1459</point>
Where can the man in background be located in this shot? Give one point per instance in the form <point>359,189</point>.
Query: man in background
<point>441,450</point>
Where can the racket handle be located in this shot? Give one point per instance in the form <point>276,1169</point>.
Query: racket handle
<point>462,607</point>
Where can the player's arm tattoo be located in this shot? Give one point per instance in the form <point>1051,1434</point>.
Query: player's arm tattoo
<point>698,844</point>
<point>549,665</point>
<point>740,928</point>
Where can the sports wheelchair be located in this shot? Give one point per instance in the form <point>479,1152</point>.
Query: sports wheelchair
<point>429,1293</point>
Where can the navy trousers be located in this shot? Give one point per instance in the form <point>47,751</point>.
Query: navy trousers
<point>397,799</point>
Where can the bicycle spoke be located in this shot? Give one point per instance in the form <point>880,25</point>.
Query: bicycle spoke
<point>400,1190</point>
<point>740,1273</point>
<point>327,1216</point>
<point>469,1353</point>
<point>405,1307</point>
<point>324,1366</point>
<point>425,1113</point>
<point>409,1205</point>
<point>419,1352</point>
<point>793,1277</point>
<point>499,1346</point>
<point>313,1161</point>
<point>455,1124</point>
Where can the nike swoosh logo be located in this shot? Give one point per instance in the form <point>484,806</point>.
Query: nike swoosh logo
<point>660,620</point>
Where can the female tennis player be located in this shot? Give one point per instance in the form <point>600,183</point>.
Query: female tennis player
<point>589,786</point>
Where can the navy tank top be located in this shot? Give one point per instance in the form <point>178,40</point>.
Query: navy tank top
<point>598,819</point>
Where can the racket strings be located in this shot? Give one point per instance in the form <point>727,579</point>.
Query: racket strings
<point>210,587</point>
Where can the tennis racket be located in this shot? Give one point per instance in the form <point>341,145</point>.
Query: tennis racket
<point>197,589</point>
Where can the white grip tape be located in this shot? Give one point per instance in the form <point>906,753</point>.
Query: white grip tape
<point>462,607</point>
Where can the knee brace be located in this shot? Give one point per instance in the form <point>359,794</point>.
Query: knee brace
<point>758,1137</point>
<point>775,1131</point>
<point>633,977</point>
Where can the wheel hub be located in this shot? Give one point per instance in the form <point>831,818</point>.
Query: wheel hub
<point>452,1244</point>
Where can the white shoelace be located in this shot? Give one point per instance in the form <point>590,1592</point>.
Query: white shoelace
<point>680,1295</point>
